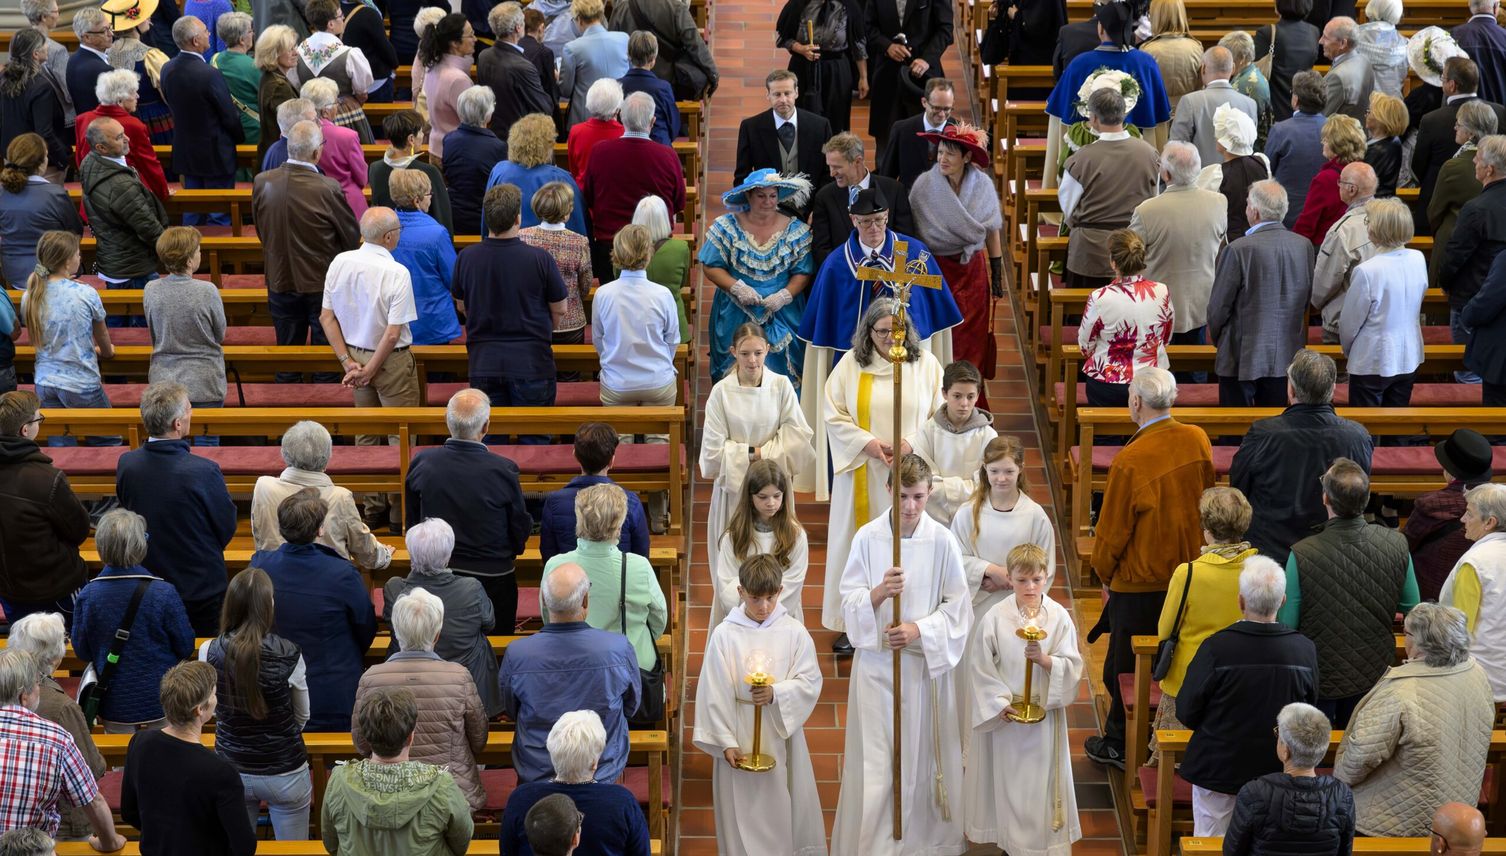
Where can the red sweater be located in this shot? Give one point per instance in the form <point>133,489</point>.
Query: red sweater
<point>142,157</point>
<point>1323,206</point>
<point>583,138</point>
<point>623,171</point>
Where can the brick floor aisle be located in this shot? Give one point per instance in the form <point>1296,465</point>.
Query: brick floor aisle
<point>743,43</point>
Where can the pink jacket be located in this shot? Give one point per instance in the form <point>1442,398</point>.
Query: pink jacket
<point>343,161</point>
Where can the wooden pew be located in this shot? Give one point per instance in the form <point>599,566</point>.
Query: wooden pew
<point>1225,15</point>
<point>692,113</point>
<point>478,847</point>
<point>1362,845</point>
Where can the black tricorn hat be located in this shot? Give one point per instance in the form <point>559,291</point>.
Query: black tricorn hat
<point>1466,455</point>
<point>870,201</point>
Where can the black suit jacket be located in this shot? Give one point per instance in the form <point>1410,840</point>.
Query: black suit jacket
<point>515,80</point>
<point>1071,40</point>
<point>831,225</point>
<point>1435,145</point>
<point>206,126</point>
<point>84,69</point>
<point>758,146</point>
<point>907,156</point>
<point>542,59</point>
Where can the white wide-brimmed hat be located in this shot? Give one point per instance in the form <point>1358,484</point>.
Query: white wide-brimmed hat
<point>1427,51</point>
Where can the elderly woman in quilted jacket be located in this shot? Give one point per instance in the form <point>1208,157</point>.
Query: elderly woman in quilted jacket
<point>1419,738</point>
<point>1295,810</point>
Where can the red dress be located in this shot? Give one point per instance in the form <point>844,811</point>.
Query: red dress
<point>973,339</point>
<point>1323,206</point>
<point>142,157</point>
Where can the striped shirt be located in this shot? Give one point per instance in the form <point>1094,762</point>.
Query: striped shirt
<point>39,764</point>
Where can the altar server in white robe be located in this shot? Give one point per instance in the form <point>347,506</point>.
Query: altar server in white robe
<point>763,521</point>
<point>935,615</point>
<point>952,440</point>
<point>751,415</point>
<point>1019,775</point>
<point>998,518</point>
<point>858,418</point>
<point>778,812</point>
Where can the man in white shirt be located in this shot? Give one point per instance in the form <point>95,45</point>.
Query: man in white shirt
<point>368,304</point>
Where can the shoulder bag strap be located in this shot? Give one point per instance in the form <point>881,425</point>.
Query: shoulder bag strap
<point>1176,630</point>
<point>622,598</point>
<point>122,634</point>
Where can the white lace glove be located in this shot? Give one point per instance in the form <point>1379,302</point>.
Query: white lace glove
<point>744,294</point>
<point>778,300</point>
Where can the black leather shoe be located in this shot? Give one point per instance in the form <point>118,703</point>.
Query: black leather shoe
<point>841,646</point>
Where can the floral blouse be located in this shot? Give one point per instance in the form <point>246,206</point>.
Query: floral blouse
<point>1125,327</point>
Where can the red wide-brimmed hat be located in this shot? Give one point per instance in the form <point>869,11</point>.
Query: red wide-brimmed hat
<point>972,140</point>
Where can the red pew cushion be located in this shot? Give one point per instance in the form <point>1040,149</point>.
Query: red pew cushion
<point>1127,691</point>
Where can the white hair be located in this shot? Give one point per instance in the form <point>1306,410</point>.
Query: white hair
<point>1262,584</point>
<point>575,744</point>
<point>1384,10</point>
<point>1305,731</point>
<point>1268,198</point>
<point>1441,634</point>
<point>231,27</point>
<point>185,29</point>
<point>1218,60</point>
<point>1156,387</point>
<point>653,215</point>
<point>426,16</point>
<point>604,98</point>
<point>1488,500</point>
<point>322,92</point>
<point>1481,7</point>
<point>36,10</point>
<point>116,86</point>
<point>305,139</point>
<point>306,446</point>
<point>559,600</point>
<point>638,112</point>
<point>293,111</point>
<point>430,544</point>
<point>467,413</point>
<point>42,635</point>
<point>1182,162</point>
<point>88,18</point>
<point>377,222</point>
<point>416,620</point>
<point>18,675</point>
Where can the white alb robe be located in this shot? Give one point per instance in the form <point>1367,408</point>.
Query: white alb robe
<point>954,460</point>
<point>777,813</point>
<point>724,568</point>
<point>936,600</point>
<point>766,417</point>
<point>820,364</point>
<point>1018,790</point>
<point>859,408</point>
<point>998,532</point>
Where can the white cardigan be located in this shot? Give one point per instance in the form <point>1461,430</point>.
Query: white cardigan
<point>1379,326</point>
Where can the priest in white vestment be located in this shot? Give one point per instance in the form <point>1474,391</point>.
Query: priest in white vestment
<point>1019,775</point>
<point>858,419</point>
<point>778,812</point>
<point>936,614</point>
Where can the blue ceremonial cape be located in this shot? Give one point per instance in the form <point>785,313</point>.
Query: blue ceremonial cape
<point>838,300</point>
<point>1153,106</point>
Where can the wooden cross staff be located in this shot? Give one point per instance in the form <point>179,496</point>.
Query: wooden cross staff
<point>906,273</point>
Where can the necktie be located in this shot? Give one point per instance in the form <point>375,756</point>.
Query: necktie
<point>852,195</point>
<point>787,136</point>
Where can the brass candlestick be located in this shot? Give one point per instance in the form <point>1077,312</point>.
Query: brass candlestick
<point>1028,711</point>
<point>755,761</point>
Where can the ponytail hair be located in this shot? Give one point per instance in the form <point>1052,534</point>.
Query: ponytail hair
<point>997,450</point>
<point>25,154</point>
<point>437,38</point>
<point>55,250</point>
<point>22,67</point>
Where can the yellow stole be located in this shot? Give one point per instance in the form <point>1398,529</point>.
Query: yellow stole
<point>860,475</point>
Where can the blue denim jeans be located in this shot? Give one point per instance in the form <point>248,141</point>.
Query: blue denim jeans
<point>288,797</point>
<point>207,182</point>
<point>128,320</point>
<point>96,398</point>
<point>206,439</point>
<point>513,392</point>
<point>1460,336</point>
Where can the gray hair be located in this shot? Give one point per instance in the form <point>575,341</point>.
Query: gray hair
<point>426,16</point>
<point>120,538</point>
<point>1182,162</point>
<point>467,413</point>
<point>1240,46</point>
<point>504,19</point>
<point>1218,60</point>
<point>26,842</point>
<point>377,222</point>
<point>560,599</point>
<point>417,618</point>
<point>1488,500</point>
<point>1312,376</point>
<point>231,27</point>
<point>638,112</point>
<point>35,10</point>
<point>97,132</point>
<point>1268,198</point>
<point>476,105</point>
<point>1156,387</point>
<point>293,111</point>
<point>1262,584</point>
<point>322,92</point>
<point>1441,634</point>
<point>1477,119</point>
<point>42,635</point>
<point>114,87</point>
<point>161,404</point>
<point>185,29</point>
<point>604,99</point>
<point>1481,7</point>
<point>1107,106</point>
<point>88,18</point>
<point>430,545</point>
<point>653,215</point>
<point>18,675</point>
<point>305,139</point>
<point>306,446</point>
<point>1344,27</point>
<point>1492,152</point>
<point>575,744</point>
<point>1306,732</point>
<point>862,340</point>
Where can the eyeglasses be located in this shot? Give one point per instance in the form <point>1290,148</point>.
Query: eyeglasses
<point>99,32</point>
<point>37,420</point>
<point>866,222</point>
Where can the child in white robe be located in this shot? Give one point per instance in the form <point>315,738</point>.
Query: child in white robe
<point>952,440</point>
<point>777,812</point>
<point>763,521</point>
<point>1018,788</point>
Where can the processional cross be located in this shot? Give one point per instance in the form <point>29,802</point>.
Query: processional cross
<point>907,272</point>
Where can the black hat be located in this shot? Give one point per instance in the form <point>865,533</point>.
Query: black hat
<point>870,200</point>
<point>1465,455</point>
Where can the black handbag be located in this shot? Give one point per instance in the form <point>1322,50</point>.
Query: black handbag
<point>995,46</point>
<point>1167,649</point>
<point>650,712</point>
<point>91,695</point>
